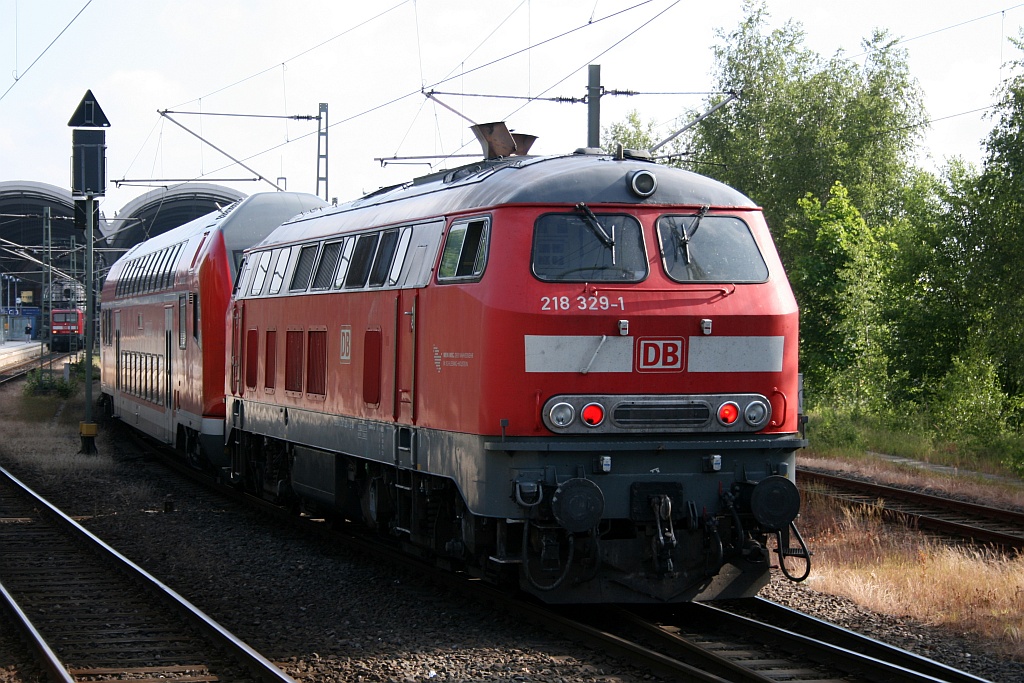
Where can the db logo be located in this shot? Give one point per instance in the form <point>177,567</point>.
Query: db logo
<point>660,355</point>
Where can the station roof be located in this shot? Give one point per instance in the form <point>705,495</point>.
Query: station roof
<point>22,239</point>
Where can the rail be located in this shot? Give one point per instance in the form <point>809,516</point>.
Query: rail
<point>35,586</point>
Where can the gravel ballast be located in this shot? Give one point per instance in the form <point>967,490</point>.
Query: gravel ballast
<point>325,613</point>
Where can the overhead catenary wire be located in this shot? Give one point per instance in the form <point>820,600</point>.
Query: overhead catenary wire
<point>17,78</point>
<point>394,100</point>
<point>446,79</point>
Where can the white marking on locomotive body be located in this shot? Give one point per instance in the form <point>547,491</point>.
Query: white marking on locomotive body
<point>574,354</point>
<point>346,343</point>
<point>735,354</point>
<point>660,355</point>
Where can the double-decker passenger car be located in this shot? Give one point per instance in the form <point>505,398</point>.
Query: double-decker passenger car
<point>162,325</point>
<point>580,370</point>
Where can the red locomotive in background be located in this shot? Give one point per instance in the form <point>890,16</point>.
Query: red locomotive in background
<point>67,329</point>
<point>579,371</point>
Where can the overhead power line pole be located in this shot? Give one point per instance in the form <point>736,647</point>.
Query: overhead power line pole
<point>594,106</point>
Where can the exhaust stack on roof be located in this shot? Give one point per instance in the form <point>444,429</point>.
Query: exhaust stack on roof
<point>497,141</point>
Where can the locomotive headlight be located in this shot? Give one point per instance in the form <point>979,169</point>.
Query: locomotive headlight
<point>592,414</point>
<point>562,414</point>
<point>728,413</point>
<point>756,414</point>
<point>642,183</point>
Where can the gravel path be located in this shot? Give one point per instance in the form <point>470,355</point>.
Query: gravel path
<point>327,615</point>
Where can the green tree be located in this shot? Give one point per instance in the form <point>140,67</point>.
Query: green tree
<point>932,306</point>
<point>632,133</point>
<point>804,122</point>
<point>839,273</point>
<point>996,241</point>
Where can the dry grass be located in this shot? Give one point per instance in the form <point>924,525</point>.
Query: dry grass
<point>36,435</point>
<point>898,571</point>
<point>978,487</point>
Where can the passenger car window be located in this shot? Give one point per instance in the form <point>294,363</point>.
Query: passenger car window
<point>465,250</point>
<point>699,248</point>
<point>588,247</point>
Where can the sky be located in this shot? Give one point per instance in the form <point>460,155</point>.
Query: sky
<point>370,62</point>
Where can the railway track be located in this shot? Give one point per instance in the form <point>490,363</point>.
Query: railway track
<point>739,641</point>
<point>18,370</point>
<point>91,614</point>
<point>979,523</point>
<point>754,641</point>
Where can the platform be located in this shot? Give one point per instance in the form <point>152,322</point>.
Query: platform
<point>14,352</point>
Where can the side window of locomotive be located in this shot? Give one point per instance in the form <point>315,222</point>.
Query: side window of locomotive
<point>304,268</point>
<point>588,247</point>
<point>465,251</point>
<point>259,276</point>
<point>362,259</point>
<point>277,278</point>
<point>382,261</point>
<point>328,265</point>
<point>346,259</point>
<point>400,253</point>
<point>709,249</point>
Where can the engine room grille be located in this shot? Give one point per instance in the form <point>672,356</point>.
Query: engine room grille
<point>662,414</point>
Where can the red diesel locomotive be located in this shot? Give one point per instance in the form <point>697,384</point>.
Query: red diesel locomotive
<point>579,372</point>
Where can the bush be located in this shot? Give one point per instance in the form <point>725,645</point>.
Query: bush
<point>829,429</point>
<point>969,401</point>
<point>39,382</point>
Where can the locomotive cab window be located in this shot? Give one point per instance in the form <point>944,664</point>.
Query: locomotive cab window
<point>465,250</point>
<point>588,247</point>
<point>698,248</point>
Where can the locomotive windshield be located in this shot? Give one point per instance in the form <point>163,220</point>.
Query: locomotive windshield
<point>721,250</point>
<point>588,247</point>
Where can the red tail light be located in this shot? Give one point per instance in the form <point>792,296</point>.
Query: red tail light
<point>593,414</point>
<point>728,413</point>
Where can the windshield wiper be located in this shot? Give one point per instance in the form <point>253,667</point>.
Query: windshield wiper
<point>685,235</point>
<point>595,225</point>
